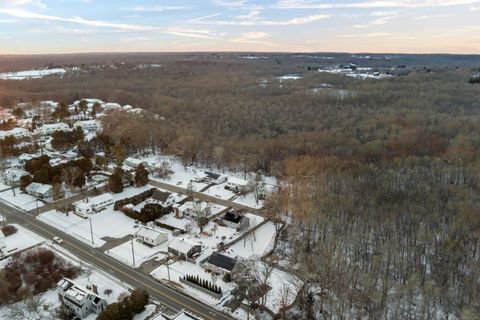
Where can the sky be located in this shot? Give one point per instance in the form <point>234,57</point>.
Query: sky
<point>385,26</point>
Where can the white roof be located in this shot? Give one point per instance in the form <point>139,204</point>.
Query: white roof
<point>237,181</point>
<point>182,245</point>
<point>86,122</point>
<point>150,233</point>
<point>14,131</point>
<point>39,187</point>
<point>94,200</point>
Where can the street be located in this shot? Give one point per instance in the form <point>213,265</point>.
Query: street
<point>158,291</point>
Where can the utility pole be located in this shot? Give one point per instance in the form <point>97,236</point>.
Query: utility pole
<point>168,268</point>
<point>91,230</point>
<point>38,210</point>
<point>133,252</point>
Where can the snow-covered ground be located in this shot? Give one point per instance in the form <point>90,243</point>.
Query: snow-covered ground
<point>20,200</point>
<point>107,223</point>
<point>89,276</point>
<point>30,74</point>
<point>256,244</point>
<point>21,240</point>
<point>142,252</point>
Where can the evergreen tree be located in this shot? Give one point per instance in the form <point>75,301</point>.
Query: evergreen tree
<point>115,183</point>
<point>141,176</point>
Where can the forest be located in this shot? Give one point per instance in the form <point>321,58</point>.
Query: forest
<point>378,178</point>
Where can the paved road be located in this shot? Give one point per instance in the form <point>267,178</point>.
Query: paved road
<point>203,196</point>
<point>171,298</point>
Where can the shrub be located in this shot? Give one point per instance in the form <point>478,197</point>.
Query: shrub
<point>136,199</point>
<point>9,230</point>
<point>203,283</point>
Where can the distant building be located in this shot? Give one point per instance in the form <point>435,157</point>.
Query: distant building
<point>88,125</point>
<point>235,221</point>
<point>93,204</point>
<point>133,162</point>
<point>17,133</point>
<point>80,300</point>
<point>111,106</point>
<point>48,129</point>
<point>12,176</point>
<point>151,236</point>
<point>184,248</point>
<point>219,263</point>
<point>39,190</point>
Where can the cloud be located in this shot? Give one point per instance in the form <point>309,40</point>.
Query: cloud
<point>158,8</point>
<point>255,20</point>
<point>24,14</point>
<point>231,4</point>
<point>474,9</point>
<point>192,33</point>
<point>205,17</point>
<point>428,17</point>
<point>253,38</point>
<point>303,4</point>
<point>17,3</point>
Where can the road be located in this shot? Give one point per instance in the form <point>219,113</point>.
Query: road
<point>171,298</point>
<point>203,196</point>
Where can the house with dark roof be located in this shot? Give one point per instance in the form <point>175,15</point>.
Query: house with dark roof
<point>234,220</point>
<point>219,263</point>
<point>163,198</point>
<point>212,177</point>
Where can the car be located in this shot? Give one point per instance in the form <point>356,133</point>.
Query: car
<point>57,240</point>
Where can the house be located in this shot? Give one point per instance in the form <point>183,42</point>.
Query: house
<point>179,316</point>
<point>39,190</point>
<point>92,205</point>
<point>191,208</point>
<point>219,263</point>
<point>237,185</point>
<point>80,300</point>
<point>235,221</point>
<point>211,177</point>
<point>184,248</point>
<point>17,133</point>
<point>151,236</point>
<point>111,106</point>
<point>163,198</point>
<point>24,157</point>
<point>48,129</point>
<point>88,125</point>
<point>133,162</point>
<point>12,176</point>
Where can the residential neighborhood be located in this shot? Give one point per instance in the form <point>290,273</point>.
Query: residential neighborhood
<point>187,223</point>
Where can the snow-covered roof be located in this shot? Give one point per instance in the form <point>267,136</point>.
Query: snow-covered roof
<point>14,132</point>
<point>150,233</point>
<point>14,174</point>
<point>94,201</point>
<point>182,245</point>
<point>39,188</point>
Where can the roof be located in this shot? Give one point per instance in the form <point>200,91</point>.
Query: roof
<point>232,217</point>
<point>160,195</point>
<point>182,245</point>
<point>13,132</point>
<point>212,175</point>
<point>38,188</point>
<point>150,233</point>
<point>93,201</point>
<point>221,261</point>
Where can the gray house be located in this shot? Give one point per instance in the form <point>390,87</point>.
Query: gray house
<point>80,300</point>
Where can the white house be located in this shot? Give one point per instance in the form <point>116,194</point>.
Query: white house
<point>192,209</point>
<point>18,133</point>
<point>184,248</point>
<point>47,129</point>
<point>163,198</point>
<point>111,106</point>
<point>12,176</point>
<point>237,185</point>
<point>88,125</point>
<point>92,205</point>
<point>151,236</point>
<point>133,162</point>
<point>80,300</point>
<point>39,190</point>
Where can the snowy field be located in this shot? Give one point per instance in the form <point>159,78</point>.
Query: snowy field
<point>256,244</point>
<point>20,200</point>
<point>107,223</point>
<point>143,253</point>
<point>30,74</point>
<point>21,240</point>
<point>183,175</point>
